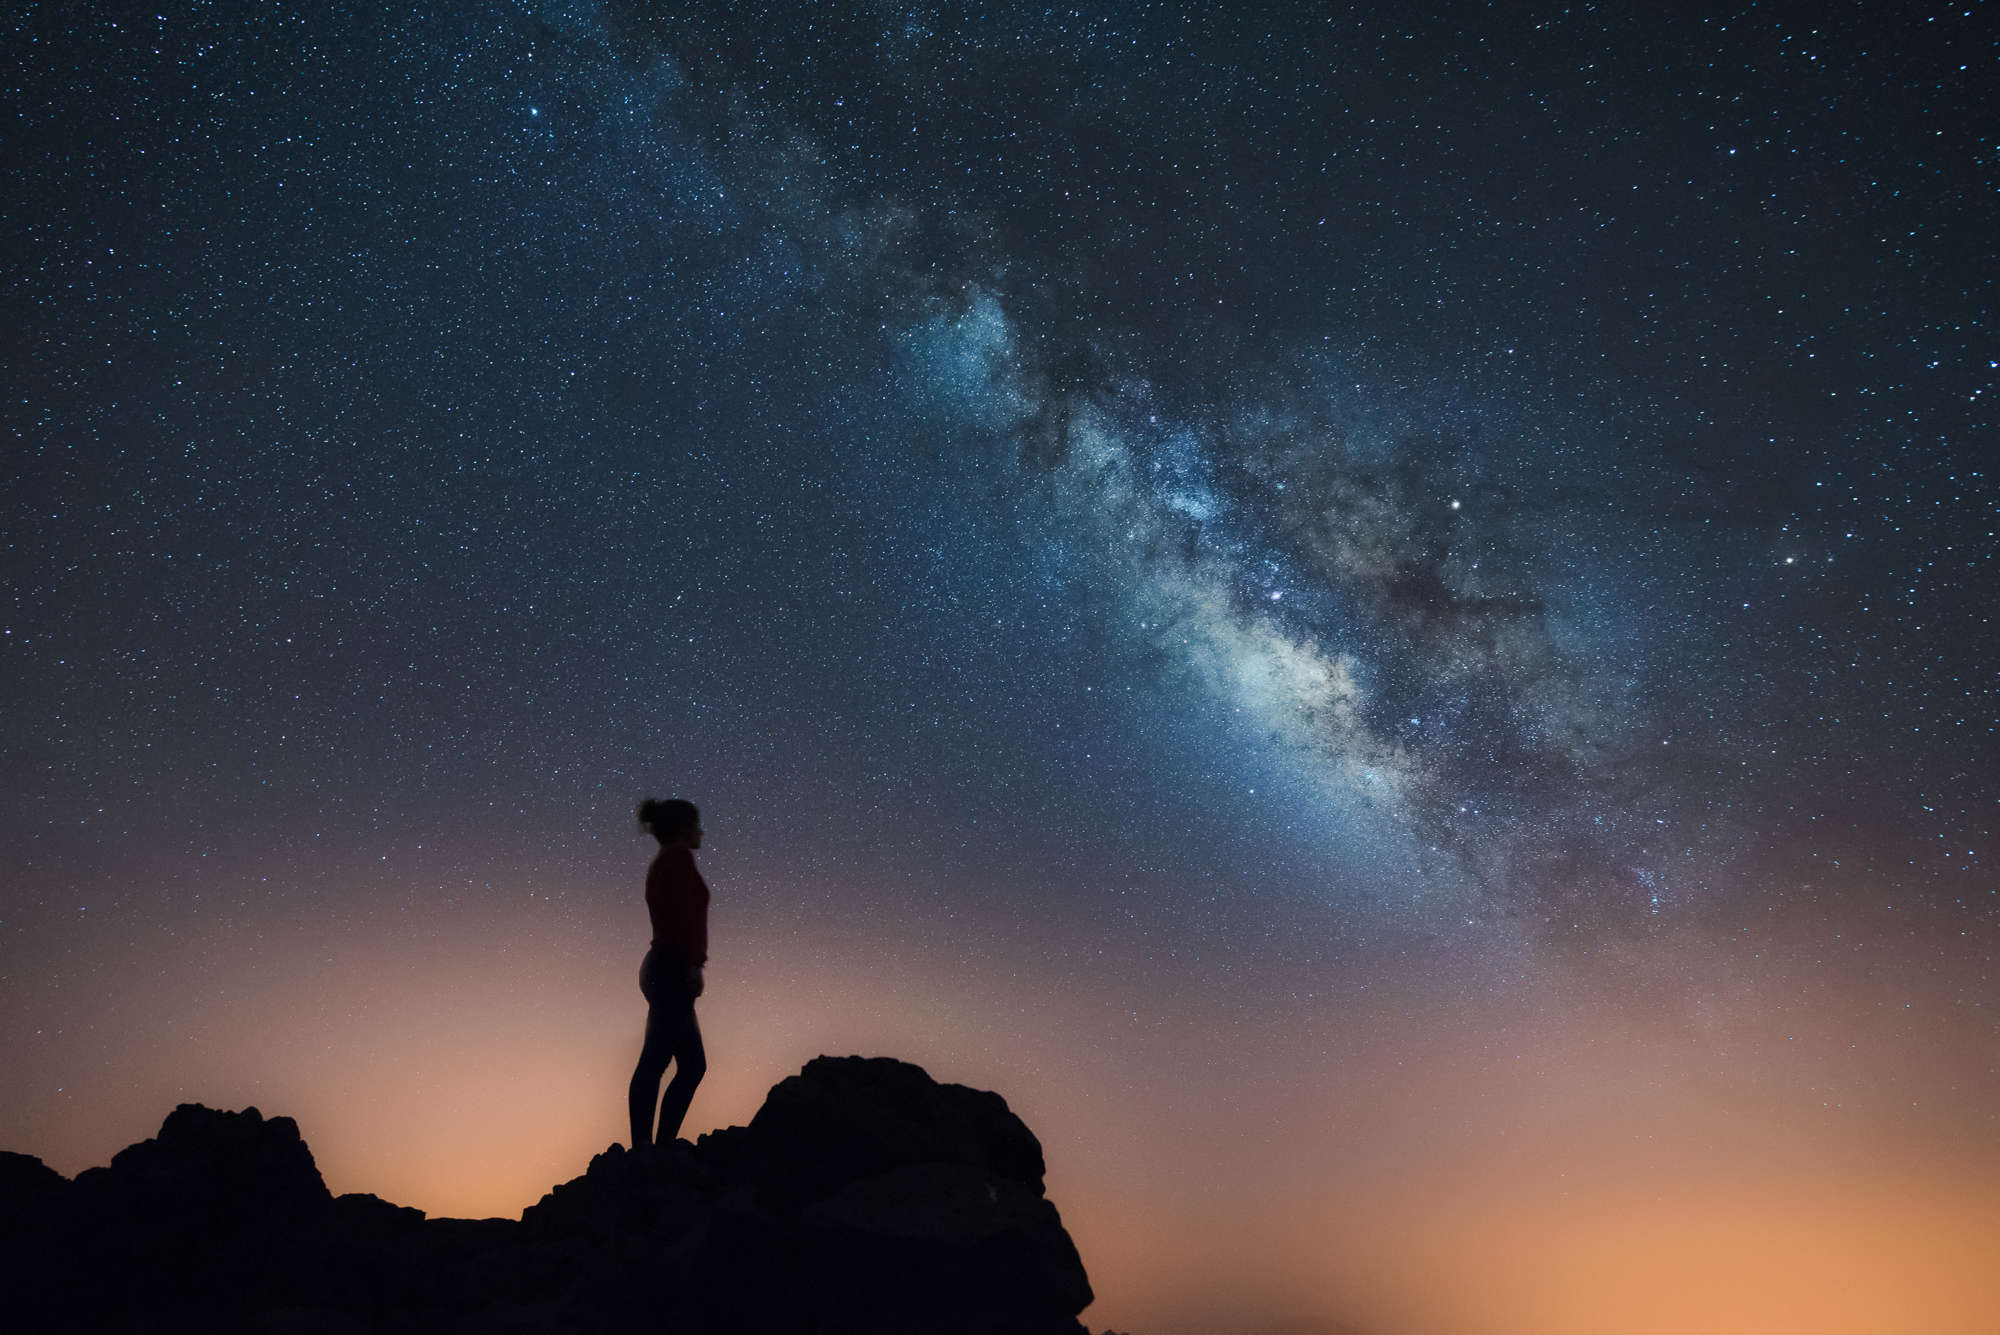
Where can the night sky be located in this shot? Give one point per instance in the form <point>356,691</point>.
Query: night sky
<point>1382,618</point>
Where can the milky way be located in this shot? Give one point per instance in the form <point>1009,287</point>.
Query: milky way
<point>1504,630</point>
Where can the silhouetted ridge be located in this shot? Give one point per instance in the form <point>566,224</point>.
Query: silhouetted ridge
<point>863,1197</point>
<point>213,1172</point>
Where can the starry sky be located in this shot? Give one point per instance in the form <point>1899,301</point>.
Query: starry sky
<point>1382,619</point>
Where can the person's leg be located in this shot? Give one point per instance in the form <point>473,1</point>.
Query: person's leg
<point>690,1065</point>
<point>654,1054</point>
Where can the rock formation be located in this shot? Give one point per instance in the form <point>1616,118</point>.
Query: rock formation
<point>863,1197</point>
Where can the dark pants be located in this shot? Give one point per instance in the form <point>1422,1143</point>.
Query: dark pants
<point>671,1036</point>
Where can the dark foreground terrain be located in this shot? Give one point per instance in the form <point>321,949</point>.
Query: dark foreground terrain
<point>863,1197</point>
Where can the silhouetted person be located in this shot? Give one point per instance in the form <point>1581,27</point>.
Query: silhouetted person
<point>677,899</point>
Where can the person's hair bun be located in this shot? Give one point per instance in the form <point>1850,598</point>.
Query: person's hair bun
<point>667,820</point>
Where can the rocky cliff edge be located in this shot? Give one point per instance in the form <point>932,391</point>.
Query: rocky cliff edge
<point>864,1197</point>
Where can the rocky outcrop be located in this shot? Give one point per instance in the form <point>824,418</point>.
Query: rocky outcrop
<point>863,1197</point>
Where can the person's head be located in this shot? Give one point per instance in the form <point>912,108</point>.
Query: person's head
<point>671,822</point>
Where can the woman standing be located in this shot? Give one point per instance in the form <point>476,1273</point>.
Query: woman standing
<point>670,978</point>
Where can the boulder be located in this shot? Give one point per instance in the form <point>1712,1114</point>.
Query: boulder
<point>845,1118</point>
<point>865,1196</point>
<point>211,1171</point>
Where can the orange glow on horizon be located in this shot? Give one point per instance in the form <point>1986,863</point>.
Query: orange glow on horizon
<point>1415,1172</point>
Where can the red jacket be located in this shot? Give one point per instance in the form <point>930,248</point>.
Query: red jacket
<point>677,898</point>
